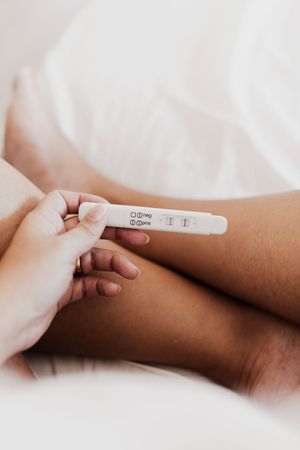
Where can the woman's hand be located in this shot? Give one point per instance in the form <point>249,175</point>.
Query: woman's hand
<point>37,272</point>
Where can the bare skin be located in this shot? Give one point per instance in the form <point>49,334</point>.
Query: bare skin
<point>166,317</point>
<point>256,261</point>
<point>18,365</point>
<point>15,207</point>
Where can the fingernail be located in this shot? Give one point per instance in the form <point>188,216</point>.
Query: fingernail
<point>114,290</point>
<point>97,213</point>
<point>147,238</point>
<point>136,269</point>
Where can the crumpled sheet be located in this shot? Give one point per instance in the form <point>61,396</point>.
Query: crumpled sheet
<point>186,98</point>
<point>133,411</point>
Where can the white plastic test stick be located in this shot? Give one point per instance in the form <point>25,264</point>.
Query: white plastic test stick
<point>124,216</point>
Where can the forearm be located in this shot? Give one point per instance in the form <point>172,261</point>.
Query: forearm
<point>258,260</point>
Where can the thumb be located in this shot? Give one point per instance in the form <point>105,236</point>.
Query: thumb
<point>84,236</point>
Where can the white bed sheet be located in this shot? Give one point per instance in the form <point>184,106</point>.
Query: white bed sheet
<point>136,410</point>
<point>186,98</point>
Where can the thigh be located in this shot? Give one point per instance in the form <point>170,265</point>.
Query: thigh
<point>17,197</point>
<point>166,318</point>
<point>163,317</point>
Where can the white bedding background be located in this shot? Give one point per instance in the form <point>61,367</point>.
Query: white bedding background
<point>27,30</point>
<point>156,410</point>
<point>183,97</point>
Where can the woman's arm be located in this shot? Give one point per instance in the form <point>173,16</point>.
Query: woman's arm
<point>257,260</point>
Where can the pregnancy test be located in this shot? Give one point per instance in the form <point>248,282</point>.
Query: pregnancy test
<point>157,219</point>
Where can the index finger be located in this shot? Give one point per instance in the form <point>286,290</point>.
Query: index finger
<point>66,202</point>
<point>128,236</point>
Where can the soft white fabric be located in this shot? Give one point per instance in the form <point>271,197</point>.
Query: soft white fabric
<point>183,97</point>
<point>116,410</point>
<point>27,30</point>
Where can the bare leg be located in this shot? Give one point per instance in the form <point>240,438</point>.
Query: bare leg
<point>34,142</point>
<point>257,260</point>
<point>169,319</point>
<point>165,318</point>
<point>17,197</point>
